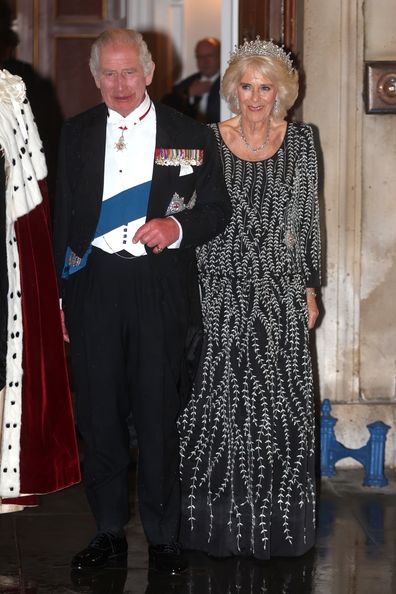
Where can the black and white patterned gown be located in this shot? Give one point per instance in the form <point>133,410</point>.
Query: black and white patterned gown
<point>247,434</point>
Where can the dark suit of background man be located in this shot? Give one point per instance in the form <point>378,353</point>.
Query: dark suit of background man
<point>199,94</point>
<point>139,188</point>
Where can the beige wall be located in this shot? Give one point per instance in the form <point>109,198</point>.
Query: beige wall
<point>202,19</point>
<point>378,310</point>
<point>182,22</point>
<point>357,339</point>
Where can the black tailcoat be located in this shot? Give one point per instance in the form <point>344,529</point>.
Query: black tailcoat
<point>81,174</point>
<point>170,282</point>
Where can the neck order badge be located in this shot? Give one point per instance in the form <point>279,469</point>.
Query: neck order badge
<point>120,145</point>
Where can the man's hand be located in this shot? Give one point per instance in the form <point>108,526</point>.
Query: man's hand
<point>199,88</point>
<point>158,234</point>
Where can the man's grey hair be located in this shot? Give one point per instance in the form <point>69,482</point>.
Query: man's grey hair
<point>120,37</point>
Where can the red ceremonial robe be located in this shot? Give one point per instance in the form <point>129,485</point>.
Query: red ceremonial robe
<point>48,451</point>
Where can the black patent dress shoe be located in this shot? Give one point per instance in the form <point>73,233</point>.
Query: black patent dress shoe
<point>167,558</point>
<point>104,550</point>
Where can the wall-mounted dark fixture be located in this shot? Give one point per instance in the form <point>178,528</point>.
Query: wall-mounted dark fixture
<point>380,87</point>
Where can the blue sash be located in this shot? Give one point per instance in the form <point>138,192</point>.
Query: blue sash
<point>121,209</point>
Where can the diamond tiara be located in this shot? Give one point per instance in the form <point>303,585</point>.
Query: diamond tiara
<point>259,47</point>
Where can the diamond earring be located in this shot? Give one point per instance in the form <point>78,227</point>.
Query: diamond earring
<point>276,107</point>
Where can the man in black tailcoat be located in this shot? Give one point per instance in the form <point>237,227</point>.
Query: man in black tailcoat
<point>139,187</point>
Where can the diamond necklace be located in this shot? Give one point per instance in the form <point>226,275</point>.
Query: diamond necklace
<point>262,146</point>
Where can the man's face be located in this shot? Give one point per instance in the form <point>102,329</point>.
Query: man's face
<point>208,58</point>
<point>121,79</point>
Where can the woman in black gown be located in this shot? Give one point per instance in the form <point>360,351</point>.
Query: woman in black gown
<point>247,434</point>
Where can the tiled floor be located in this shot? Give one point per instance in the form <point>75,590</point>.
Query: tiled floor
<point>355,551</point>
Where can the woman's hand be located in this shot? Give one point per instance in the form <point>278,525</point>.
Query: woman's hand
<point>313,310</point>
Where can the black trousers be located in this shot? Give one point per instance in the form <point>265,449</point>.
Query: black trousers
<point>127,322</point>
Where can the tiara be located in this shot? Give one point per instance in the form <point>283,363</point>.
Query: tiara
<point>259,47</point>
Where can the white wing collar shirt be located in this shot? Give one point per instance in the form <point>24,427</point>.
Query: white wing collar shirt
<point>129,162</point>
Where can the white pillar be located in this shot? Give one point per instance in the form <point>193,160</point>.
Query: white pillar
<point>229,39</point>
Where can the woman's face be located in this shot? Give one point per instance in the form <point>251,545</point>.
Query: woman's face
<point>256,95</point>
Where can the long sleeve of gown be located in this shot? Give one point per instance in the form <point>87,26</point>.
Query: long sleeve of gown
<point>308,205</point>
